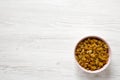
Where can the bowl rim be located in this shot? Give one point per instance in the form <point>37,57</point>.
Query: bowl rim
<point>101,69</point>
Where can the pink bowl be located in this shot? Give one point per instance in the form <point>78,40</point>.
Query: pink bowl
<point>105,66</point>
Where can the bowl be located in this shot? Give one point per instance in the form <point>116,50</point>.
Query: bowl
<point>108,59</point>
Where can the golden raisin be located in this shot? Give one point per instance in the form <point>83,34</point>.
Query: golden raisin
<point>92,53</point>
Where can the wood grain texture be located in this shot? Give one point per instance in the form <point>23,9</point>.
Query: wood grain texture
<point>37,37</point>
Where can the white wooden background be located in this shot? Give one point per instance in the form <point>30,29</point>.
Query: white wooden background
<point>37,37</point>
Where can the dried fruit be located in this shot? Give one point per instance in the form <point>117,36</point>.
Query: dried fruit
<point>92,53</point>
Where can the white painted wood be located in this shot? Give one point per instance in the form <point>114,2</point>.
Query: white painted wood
<point>37,37</point>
